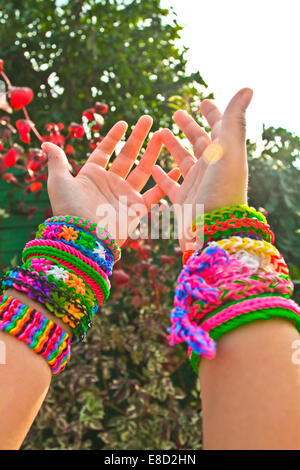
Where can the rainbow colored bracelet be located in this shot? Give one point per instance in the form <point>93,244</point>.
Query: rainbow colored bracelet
<point>40,334</point>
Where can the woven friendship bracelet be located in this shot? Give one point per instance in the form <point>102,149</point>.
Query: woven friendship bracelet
<point>39,333</point>
<point>101,233</point>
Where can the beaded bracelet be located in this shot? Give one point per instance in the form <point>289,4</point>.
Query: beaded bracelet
<point>42,335</point>
<point>101,233</point>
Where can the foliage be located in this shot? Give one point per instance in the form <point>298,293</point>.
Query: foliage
<point>73,53</point>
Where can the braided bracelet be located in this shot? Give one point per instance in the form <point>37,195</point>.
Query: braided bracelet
<point>42,335</point>
<point>101,233</point>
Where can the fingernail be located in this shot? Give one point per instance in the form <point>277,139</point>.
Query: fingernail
<point>246,97</point>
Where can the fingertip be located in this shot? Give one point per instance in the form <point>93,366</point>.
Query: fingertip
<point>246,95</point>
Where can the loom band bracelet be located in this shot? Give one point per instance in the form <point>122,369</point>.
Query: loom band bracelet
<point>234,244</point>
<point>83,270</point>
<point>69,296</point>
<point>59,247</point>
<point>71,268</point>
<point>283,311</point>
<point>101,262</point>
<point>100,233</point>
<point>233,225</point>
<point>78,241</point>
<point>236,210</point>
<point>49,305</point>
<point>214,231</point>
<point>88,295</point>
<point>88,301</point>
<point>205,312</point>
<point>29,318</point>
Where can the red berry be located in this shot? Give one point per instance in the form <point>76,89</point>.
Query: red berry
<point>89,113</point>
<point>101,108</point>
<point>34,186</point>
<point>1,65</point>
<point>69,149</point>
<point>20,97</point>
<point>1,146</point>
<point>24,127</point>
<point>76,130</point>
<point>10,157</point>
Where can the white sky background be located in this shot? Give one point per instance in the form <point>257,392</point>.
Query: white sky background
<point>237,43</point>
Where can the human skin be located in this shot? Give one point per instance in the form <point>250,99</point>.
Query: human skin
<point>250,390</point>
<point>25,378</point>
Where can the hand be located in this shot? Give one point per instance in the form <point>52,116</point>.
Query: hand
<point>213,183</point>
<point>95,192</point>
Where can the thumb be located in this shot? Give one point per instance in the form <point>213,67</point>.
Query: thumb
<point>234,119</point>
<point>57,160</point>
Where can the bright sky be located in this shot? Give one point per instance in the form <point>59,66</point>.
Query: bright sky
<point>255,43</point>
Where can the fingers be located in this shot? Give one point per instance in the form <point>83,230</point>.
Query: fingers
<point>57,161</point>
<point>213,116</point>
<point>234,119</point>
<point>140,175</point>
<point>154,195</point>
<point>184,159</point>
<point>126,158</point>
<point>166,184</point>
<point>195,134</point>
<point>104,150</point>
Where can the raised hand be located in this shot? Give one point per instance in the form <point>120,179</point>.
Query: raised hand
<point>108,197</point>
<point>217,174</point>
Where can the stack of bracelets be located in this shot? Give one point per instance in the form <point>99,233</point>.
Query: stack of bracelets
<point>66,268</point>
<point>237,277</point>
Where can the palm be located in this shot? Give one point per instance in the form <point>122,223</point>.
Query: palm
<point>105,196</point>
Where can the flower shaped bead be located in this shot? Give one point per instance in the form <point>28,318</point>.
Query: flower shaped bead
<point>58,273</point>
<point>68,233</point>
<point>99,250</point>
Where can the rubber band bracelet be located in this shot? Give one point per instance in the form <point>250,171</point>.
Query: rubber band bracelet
<point>229,212</point>
<point>73,269</point>
<point>101,233</point>
<point>72,260</point>
<point>79,328</point>
<point>40,334</point>
<point>245,318</point>
<point>86,243</point>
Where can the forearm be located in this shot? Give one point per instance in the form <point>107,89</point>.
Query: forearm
<point>233,308</point>
<point>250,390</point>
<point>24,381</point>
